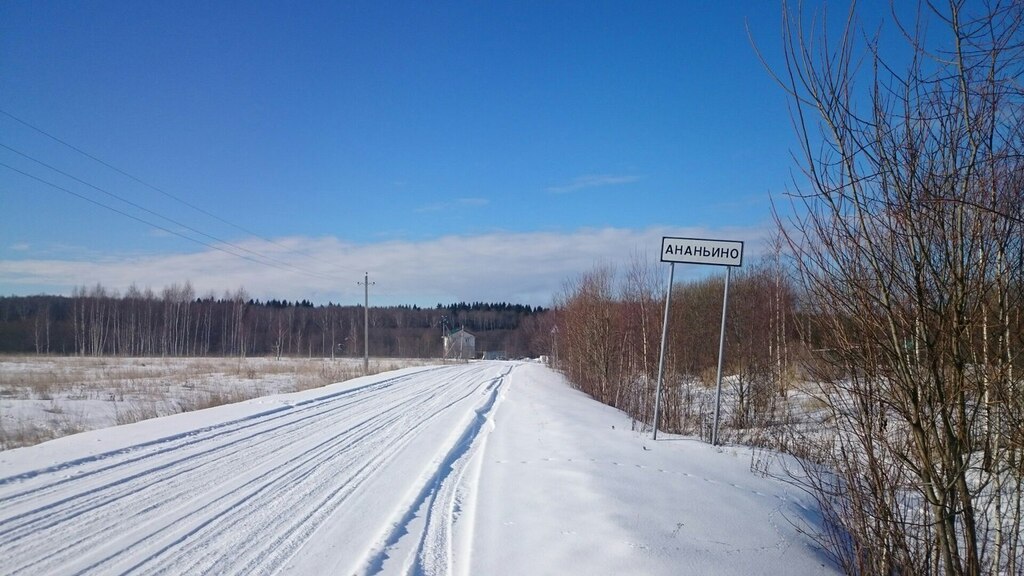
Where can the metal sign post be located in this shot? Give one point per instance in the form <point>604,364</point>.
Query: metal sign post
<point>721,348</point>
<point>661,357</point>
<point>728,253</point>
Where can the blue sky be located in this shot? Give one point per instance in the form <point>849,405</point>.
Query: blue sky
<point>453,150</point>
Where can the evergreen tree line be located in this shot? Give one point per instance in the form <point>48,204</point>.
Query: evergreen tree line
<point>97,321</point>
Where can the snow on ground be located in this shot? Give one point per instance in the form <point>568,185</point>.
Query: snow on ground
<point>571,489</point>
<point>44,397</point>
<point>480,468</point>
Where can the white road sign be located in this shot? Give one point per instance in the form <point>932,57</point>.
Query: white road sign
<point>702,251</point>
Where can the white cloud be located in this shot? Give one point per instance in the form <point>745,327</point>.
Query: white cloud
<point>592,181</point>
<point>460,202</point>
<point>527,267</point>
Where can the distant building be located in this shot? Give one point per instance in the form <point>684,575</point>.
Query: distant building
<point>460,344</point>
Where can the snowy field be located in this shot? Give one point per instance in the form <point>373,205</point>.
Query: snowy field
<point>44,397</point>
<point>480,468</point>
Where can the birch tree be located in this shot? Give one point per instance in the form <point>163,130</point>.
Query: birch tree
<point>906,231</point>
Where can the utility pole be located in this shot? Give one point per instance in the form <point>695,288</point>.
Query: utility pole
<point>444,339</point>
<point>366,321</point>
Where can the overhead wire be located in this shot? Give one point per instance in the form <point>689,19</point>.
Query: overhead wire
<point>132,216</point>
<point>160,190</point>
<point>158,215</point>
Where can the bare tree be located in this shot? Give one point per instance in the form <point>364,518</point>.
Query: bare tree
<point>906,233</point>
<point>42,329</point>
<point>642,318</point>
<point>587,338</point>
<point>751,357</point>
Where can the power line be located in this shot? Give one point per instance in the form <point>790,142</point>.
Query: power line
<point>153,224</point>
<point>120,171</point>
<point>158,215</point>
<point>156,188</point>
<point>122,213</point>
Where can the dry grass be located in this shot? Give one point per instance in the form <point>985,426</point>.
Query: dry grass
<point>44,397</point>
<point>128,414</point>
<point>327,374</point>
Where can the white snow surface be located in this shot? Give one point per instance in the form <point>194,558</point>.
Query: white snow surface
<point>479,468</point>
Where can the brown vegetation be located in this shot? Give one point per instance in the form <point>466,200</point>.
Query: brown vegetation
<point>45,397</point>
<point>881,341</point>
<point>609,331</point>
<point>907,243</point>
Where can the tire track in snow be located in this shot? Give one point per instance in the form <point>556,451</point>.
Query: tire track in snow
<point>160,482</point>
<point>78,531</point>
<point>176,505</point>
<point>430,518</point>
<point>305,512</point>
<point>174,442</point>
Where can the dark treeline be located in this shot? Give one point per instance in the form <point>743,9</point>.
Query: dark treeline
<point>175,322</point>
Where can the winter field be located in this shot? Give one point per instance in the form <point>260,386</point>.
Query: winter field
<point>44,397</point>
<point>478,468</point>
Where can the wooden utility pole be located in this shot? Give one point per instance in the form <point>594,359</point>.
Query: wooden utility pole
<point>366,321</point>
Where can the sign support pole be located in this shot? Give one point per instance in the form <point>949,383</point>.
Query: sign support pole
<point>726,253</point>
<point>661,357</point>
<point>721,347</point>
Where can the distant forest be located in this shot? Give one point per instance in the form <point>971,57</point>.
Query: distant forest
<point>175,322</point>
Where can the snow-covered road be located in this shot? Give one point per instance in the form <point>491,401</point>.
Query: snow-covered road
<point>381,461</point>
<point>480,468</point>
